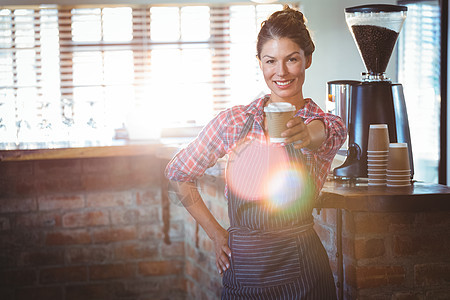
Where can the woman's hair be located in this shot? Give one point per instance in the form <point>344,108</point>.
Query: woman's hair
<point>286,23</point>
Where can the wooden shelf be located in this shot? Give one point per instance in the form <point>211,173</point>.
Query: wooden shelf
<point>80,152</point>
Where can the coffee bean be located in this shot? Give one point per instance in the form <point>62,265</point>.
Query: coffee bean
<point>375,45</point>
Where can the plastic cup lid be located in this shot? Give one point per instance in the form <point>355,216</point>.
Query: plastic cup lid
<point>279,107</point>
<point>398,145</point>
<point>378,126</point>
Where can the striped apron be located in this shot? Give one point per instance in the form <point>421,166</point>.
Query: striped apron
<point>275,255</point>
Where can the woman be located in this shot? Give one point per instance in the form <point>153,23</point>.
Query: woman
<point>266,253</point>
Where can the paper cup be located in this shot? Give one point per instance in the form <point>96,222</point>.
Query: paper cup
<point>399,172</point>
<point>398,158</point>
<point>378,137</point>
<point>376,172</point>
<point>277,116</point>
<point>377,157</point>
<point>374,152</point>
<point>377,167</point>
<point>397,185</point>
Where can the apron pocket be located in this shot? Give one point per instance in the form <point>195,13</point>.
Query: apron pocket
<point>265,260</point>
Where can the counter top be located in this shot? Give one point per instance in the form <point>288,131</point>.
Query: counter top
<point>419,196</point>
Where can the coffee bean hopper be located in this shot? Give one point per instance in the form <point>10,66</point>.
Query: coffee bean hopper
<point>375,99</point>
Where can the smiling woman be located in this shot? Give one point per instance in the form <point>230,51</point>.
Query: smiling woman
<point>71,76</point>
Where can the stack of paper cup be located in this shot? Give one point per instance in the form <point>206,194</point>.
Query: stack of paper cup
<point>377,154</point>
<point>398,168</point>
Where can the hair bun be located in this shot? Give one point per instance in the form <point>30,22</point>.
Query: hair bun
<point>289,23</point>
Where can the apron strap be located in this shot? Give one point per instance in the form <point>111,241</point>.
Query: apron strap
<point>247,126</point>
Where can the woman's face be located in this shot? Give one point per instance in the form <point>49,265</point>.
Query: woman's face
<point>283,64</point>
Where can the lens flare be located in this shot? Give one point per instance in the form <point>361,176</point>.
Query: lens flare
<point>288,188</point>
<point>258,172</point>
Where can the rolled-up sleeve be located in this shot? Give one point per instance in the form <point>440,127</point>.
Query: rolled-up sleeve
<point>336,133</point>
<point>192,161</point>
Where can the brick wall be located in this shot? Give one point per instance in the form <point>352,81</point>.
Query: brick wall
<point>99,229</point>
<point>391,255</point>
<point>88,229</point>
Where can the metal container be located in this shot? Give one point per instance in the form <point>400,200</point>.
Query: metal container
<point>339,97</point>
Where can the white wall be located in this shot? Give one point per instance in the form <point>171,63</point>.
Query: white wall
<point>336,56</point>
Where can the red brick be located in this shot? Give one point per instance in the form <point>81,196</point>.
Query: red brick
<point>36,220</point>
<point>109,199</point>
<point>125,216</point>
<point>57,166</point>
<point>161,268</point>
<point>68,237</point>
<point>5,224</point>
<point>177,230</point>
<point>12,169</point>
<point>11,240</point>
<point>83,255</point>
<point>369,248</point>
<point>175,249</point>
<point>40,293</point>
<point>432,274</point>
<point>60,202</point>
<point>63,275</point>
<point>407,296</point>
<point>433,219</point>
<point>148,197</point>
<point>17,187</point>
<point>150,232</point>
<point>105,165</point>
<point>96,182</point>
<point>41,258</point>
<point>151,288</point>
<point>381,223</point>
<point>431,243</point>
<point>85,219</point>
<point>379,276</point>
<point>17,277</point>
<point>206,244</point>
<point>438,294</point>
<point>136,251</point>
<point>18,204</point>
<point>101,272</point>
<point>88,291</point>
<point>108,235</point>
<point>7,292</point>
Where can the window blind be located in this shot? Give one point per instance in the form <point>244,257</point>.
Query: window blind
<point>74,75</point>
<point>419,72</point>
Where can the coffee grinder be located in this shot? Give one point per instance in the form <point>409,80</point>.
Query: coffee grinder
<point>375,99</point>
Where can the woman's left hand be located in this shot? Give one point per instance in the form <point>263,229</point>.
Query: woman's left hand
<point>297,133</point>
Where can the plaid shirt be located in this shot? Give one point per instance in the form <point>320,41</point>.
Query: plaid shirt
<point>221,134</point>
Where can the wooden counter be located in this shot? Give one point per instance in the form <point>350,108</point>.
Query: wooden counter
<point>361,197</point>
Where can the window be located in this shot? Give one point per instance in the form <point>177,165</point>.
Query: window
<point>419,72</point>
<point>72,76</point>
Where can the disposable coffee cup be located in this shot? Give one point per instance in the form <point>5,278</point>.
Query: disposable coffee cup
<point>277,116</point>
<point>378,138</point>
<point>398,158</point>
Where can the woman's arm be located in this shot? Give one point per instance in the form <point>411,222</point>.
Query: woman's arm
<point>310,135</point>
<point>190,197</point>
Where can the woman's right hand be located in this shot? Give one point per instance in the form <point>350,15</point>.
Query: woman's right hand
<point>223,251</point>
